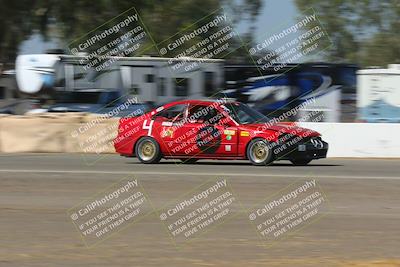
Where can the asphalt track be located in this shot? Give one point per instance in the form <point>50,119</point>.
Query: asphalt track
<point>360,228</point>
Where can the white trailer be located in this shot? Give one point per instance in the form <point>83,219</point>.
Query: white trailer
<point>378,94</point>
<point>148,78</point>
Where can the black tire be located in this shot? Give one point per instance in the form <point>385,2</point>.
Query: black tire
<point>147,150</point>
<point>189,161</point>
<point>259,153</point>
<point>300,162</point>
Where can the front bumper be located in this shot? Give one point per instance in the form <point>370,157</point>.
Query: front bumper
<point>313,148</point>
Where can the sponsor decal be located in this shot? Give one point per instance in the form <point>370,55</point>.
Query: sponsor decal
<point>228,148</point>
<point>244,133</point>
<point>167,123</point>
<point>229,132</point>
<point>159,109</point>
<point>167,132</point>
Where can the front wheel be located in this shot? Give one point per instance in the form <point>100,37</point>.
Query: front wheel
<point>300,162</point>
<point>148,151</point>
<point>259,152</point>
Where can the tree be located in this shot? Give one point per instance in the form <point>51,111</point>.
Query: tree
<point>362,31</point>
<point>18,19</point>
<point>15,25</point>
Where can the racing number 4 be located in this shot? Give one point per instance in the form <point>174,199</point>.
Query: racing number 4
<point>148,127</point>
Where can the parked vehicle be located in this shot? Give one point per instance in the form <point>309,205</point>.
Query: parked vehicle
<point>20,106</point>
<point>274,90</point>
<point>100,102</point>
<point>151,79</point>
<point>378,94</point>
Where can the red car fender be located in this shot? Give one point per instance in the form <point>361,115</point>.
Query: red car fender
<point>246,136</point>
<point>130,130</point>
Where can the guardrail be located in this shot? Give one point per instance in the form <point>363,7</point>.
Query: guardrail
<point>47,132</point>
<point>52,133</point>
<point>359,140</point>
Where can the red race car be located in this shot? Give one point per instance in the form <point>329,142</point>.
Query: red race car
<point>190,130</point>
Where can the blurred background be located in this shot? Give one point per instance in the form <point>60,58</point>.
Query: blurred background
<point>56,148</point>
<point>353,79</point>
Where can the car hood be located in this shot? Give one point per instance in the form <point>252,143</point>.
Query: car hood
<point>289,128</point>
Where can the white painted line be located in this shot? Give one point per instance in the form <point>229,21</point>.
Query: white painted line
<point>202,174</point>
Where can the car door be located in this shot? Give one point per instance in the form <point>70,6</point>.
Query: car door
<point>166,129</point>
<point>206,133</point>
<point>228,144</point>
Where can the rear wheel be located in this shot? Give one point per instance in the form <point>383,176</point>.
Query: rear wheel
<point>148,151</point>
<point>300,162</point>
<point>259,152</point>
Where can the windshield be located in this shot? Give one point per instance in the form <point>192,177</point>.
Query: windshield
<point>244,114</point>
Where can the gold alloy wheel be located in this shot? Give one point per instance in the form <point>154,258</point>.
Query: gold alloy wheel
<point>147,150</point>
<point>259,152</point>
